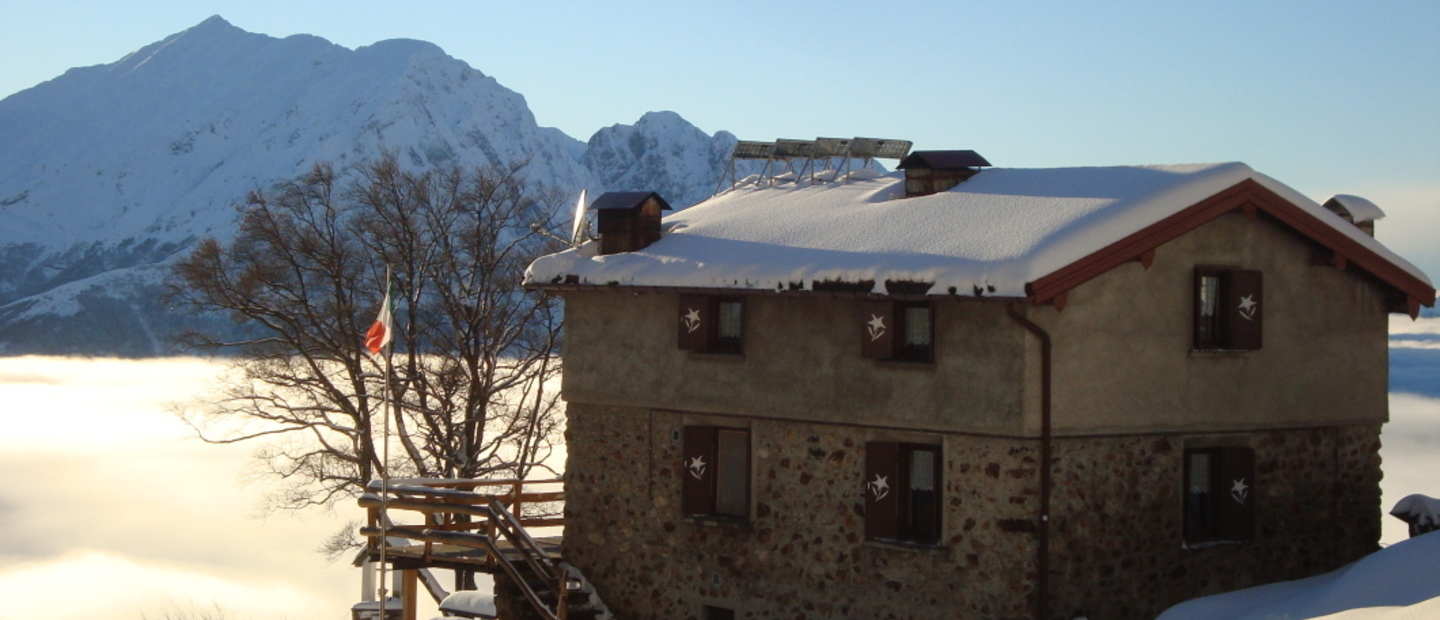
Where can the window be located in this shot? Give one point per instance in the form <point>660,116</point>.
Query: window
<point>1219,494</point>
<point>902,331</point>
<point>902,492</point>
<point>716,472</point>
<point>1228,304</point>
<point>710,324</point>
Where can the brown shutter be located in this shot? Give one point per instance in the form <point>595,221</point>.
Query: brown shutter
<point>694,322</point>
<point>877,329</point>
<point>1236,490</point>
<point>882,490</point>
<point>697,470</point>
<point>1245,307</point>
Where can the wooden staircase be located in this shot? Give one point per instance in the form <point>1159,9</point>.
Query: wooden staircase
<point>464,529</point>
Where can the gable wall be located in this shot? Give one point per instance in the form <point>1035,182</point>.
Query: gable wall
<point>1123,360</point>
<point>802,361</point>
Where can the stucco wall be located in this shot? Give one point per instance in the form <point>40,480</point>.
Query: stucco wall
<point>801,360</point>
<point>1117,547</point>
<point>1123,345</point>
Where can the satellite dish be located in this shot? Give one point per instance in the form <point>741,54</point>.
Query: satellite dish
<point>579,229</point>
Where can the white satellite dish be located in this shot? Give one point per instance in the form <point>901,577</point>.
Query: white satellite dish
<point>579,229</point>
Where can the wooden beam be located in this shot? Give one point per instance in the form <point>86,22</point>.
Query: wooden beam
<point>410,584</point>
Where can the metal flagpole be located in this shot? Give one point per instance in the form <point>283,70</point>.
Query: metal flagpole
<point>385,458</point>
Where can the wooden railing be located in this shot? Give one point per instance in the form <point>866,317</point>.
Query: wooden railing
<point>486,515</point>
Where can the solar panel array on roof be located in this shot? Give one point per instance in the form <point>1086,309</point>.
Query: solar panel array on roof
<point>746,149</point>
<point>813,152</point>
<point>875,147</point>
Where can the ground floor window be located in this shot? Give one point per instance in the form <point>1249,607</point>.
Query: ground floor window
<point>716,471</point>
<point>1219,494</point>
<point>903,492</point>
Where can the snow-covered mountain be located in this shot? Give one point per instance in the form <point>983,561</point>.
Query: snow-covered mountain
<point>108,173</point>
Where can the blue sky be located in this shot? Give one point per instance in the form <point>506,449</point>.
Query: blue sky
<point>1329,97</point>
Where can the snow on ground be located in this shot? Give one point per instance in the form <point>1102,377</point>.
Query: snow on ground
<point>1395,583</point>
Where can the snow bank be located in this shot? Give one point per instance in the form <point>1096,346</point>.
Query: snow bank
<point>472,602</point>
<point>998,231</point>
<point>1395,583</point>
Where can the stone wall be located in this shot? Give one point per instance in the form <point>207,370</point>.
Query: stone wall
<point>1118,527</point>
<point>1116,551</point>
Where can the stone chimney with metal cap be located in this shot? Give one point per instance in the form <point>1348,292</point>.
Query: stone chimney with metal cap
<point>1356,210</point>
<point>930,172</point>
<point>628,221</point>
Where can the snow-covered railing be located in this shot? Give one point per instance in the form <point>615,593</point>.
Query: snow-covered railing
<point>460,516</point>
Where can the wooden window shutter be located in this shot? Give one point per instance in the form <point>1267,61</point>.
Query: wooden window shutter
<point>694,322</point>
<point>1245,306</point>
<point>697,490</point>
<point>877,329</point>
<point>1236,493</point>
<point>882,492</point>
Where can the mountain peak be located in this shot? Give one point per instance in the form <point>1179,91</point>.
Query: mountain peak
<point>108,172</point>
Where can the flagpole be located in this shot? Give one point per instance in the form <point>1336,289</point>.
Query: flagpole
<point>385,483</point>
<point>388,410</point>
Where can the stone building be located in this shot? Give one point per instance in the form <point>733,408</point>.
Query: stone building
<point>1039,393</point>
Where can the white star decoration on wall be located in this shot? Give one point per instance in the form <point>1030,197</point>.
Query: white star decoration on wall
<point>692,319</point>
<point>697,467</point>
<point>1239,491</point>
<point>1247,307</point>
<point>876,326</point>
<point>880,487</point>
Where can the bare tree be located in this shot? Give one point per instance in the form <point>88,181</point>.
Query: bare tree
<point>475,356</point>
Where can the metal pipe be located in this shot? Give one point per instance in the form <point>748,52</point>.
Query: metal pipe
<point>1042,556</point>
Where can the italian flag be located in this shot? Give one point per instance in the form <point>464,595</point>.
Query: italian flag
<point>380,333</point>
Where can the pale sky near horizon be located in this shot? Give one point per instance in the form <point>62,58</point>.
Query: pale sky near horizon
<point>1324,95</point>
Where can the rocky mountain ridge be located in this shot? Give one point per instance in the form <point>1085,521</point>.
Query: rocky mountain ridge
<point>108,173</point>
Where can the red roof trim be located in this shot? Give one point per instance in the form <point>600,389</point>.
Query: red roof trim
<point>1247,195</point>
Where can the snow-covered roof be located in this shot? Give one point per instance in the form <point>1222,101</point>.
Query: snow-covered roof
<point>1003,229</point>
<point>1418,510</point>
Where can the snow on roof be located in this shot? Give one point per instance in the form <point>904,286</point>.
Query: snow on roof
<point>1360,209</point>
<point>998,231</point>
<point>1418,509</point>
<point>1395,583</point>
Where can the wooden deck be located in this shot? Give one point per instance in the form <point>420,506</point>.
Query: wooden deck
<point>455,557</point>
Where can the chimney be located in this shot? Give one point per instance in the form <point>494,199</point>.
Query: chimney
<point>1356,210</point>
<point>628,221</point>
<point>930,172</point>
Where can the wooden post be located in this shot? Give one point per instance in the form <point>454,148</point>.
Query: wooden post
<point>411,584</point>
<point>562,595</point>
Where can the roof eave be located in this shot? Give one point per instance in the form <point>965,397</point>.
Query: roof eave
<point>1248,195</point>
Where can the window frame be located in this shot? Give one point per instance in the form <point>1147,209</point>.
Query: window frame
<point>893,510</point>
<point>885,327</point>
<point>1235,321</point>
<point>702,324</point>
<point>707,475</point>
<point>1226,511</point>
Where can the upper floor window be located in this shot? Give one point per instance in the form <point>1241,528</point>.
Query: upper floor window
<point>1219,494</point>
<point>902,492</point>
<point>716,471</point>
<point>903,331</point>
<point>711,324</point>
<point>1228,309</point>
